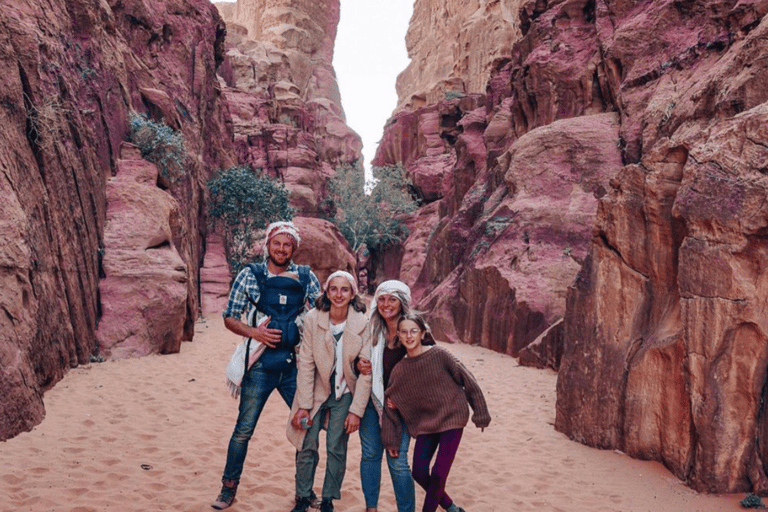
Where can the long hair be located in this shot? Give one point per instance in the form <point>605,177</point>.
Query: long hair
<point>323,303</point>
<point>379,325</point>
<point>418,318</point>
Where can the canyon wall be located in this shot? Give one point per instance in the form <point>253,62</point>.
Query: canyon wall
<point>453,45</point>
<point>72,73</point>
<point>282,95</point>
<point>597,205</point>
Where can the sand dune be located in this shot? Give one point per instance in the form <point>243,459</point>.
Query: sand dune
<point>151,434</point>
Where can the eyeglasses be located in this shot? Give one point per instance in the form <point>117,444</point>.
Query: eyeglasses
<point>412,332</point>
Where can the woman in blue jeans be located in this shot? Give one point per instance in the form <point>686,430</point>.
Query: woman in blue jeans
<point>391,300</point>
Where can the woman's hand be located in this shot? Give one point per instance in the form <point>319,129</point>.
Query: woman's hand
<point>390,404</point>
<point>300,415</point>
<point>393,453</point>
<point>364,366</point>
<point>352,423</point>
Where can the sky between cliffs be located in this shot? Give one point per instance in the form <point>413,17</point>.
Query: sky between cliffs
<point>368,55</point>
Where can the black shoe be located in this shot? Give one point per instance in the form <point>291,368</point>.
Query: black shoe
<point>302,504</point>
<point>326,505</point>
<point>226,496</point>
<point>314,501</point>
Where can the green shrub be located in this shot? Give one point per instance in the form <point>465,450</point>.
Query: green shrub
<point>450,95</point>
<point>370,213</point>
<point>246,202</point>
<point>752,501</point>
<point>160,144</point>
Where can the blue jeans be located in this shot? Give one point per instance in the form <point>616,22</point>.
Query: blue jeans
<point>370,464</point>
<point>256,388</point>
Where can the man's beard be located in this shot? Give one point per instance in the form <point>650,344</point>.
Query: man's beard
<point>277,263</point>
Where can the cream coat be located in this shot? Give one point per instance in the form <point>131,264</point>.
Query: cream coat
<point>316,363</point>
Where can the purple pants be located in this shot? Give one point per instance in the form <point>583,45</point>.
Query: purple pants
<point>446,444</point>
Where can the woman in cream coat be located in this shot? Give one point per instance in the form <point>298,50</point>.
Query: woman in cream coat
<point>328,384</point>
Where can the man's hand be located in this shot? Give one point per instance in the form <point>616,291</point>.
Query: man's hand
<point>364,366</point>
<point>265,335</point>
<point>393,453</point>
<point>300,415</point>
<point>352,423</point>
<point>262,334</point>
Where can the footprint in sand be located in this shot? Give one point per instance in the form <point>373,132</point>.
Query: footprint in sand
<point>12,479</point>
<point>76,491</point>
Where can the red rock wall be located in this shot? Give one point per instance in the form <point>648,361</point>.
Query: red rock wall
<point>283,98</point>
<point>606,191</point>
<point>72,71</point>
<point>665,338</point>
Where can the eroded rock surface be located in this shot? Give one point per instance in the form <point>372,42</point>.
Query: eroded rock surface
<point>72,71</point>
<point>144,290</point>
<point>283,97</point>
<point>632,253</point>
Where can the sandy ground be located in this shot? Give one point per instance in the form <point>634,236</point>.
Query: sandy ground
<point>151,434</point>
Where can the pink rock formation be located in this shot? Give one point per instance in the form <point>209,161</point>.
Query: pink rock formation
<point>323,248</point>
<point>452,46</point>
<point>143,293</point>
<point>72,71</point>
<point>528,242</point>
<point>662,337</point>
<point>215,276</point>
<point>284,100</point>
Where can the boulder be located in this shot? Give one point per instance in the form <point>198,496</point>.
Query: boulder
<point>323,248</point>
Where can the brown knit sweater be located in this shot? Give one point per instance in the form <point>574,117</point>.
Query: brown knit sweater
<point>432,392</point>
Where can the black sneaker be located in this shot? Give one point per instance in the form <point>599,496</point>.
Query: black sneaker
<point>326,505</point>
<point>302,504</point>
<point>314,501</point>
<point>225,498</point>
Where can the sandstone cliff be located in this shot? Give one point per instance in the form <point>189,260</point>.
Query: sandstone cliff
<point>72,72</point>
<point>282,94</point>
<point>283,107</point>
<point>618,148</point>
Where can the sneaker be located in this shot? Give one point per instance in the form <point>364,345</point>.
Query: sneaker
<point>454,508</point>
<point>226,496</point>
<point>326,505</point>
<point>314,501</point>
<point>302,504</point>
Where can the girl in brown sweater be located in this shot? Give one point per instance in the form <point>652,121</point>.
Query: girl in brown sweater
<point>431,390</point>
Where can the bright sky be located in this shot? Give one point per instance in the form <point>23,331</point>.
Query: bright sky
<point>368,56</point>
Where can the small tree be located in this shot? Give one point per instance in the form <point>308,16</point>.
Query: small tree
<point>246,202</point>
<point>375,218</point>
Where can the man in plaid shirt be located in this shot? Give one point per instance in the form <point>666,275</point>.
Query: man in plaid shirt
<point>274,369</point>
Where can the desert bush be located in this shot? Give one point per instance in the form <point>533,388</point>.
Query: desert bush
<point>160,144</point>
<point>43,120</point>
<point>246,202</point>
<point>752,500</point>
<point>370,213</point>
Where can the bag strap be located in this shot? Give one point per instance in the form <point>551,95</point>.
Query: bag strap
<point>257,269</point>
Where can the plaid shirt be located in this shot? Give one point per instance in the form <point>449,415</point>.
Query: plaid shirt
<point>246,285</point>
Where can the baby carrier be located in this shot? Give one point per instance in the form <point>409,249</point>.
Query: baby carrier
<point>282,299</point>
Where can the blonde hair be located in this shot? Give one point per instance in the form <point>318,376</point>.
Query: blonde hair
<point>378,324</point>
